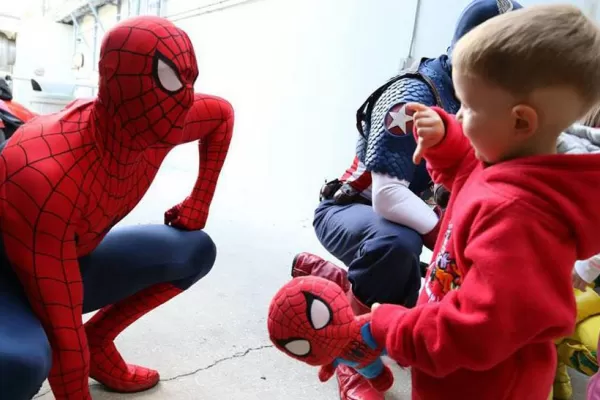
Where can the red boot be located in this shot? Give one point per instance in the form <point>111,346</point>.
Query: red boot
<point>106,364</point>
<point>354,386</point>
<point>306,264</point>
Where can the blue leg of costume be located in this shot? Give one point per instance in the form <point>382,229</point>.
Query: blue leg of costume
<point>382,257</point>
<point>25,357</point>
<point>128,260</point>
<point>133,258</point>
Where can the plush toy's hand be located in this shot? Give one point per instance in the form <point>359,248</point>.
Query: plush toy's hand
<point>364,354</point>
<point>187,215</point>
<point>326,372</point>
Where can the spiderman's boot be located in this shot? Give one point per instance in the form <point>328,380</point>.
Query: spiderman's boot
<point>352,385</point>
<point>106,364</point>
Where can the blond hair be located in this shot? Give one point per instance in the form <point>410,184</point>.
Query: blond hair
<point>535,47</point>
<point>592,118</point>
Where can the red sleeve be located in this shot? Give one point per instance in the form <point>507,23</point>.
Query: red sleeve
<point>210,121</point>
<point>453,156</point>
<point>484,322</point>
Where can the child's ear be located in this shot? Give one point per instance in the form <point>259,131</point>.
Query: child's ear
<point>526,120</point>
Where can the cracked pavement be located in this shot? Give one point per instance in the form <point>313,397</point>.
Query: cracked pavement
<point>44,393</point>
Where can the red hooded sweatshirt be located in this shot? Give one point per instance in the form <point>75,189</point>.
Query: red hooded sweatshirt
<point>498,291</point>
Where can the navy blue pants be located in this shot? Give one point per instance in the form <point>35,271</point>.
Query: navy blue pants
<point>128,260</point>
<point>382,257</point>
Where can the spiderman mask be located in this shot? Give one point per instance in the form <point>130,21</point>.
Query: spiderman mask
<point>148,68</point>
<point>311,320</point>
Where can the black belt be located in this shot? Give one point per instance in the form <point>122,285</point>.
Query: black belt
<point>342,193</point>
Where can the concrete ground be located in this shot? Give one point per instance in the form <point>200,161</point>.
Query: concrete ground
<point>211,342</point>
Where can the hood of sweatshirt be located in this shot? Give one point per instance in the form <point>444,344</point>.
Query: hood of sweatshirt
<point>565,187</point>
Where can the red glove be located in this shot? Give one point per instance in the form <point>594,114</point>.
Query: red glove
<point>310,319</point>
<point>189,215</point>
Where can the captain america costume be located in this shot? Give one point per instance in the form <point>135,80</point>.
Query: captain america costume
<point>66,179</point>
<point>382,257</point>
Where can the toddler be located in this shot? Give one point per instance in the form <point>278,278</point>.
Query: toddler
<point>498,291</point>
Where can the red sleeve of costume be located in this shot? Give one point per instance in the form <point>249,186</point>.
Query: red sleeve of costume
<point>508,274</point>
<point>214,129</point>
<point>453,156</point>
<point>37,207</point>
<point>210,121</point>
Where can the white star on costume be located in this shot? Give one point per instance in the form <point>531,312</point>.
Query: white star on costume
<point>400,119</point>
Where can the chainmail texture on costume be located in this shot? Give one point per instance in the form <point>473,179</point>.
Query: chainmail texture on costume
<point>384,152</point>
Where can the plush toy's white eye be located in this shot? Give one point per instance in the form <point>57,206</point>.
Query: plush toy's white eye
<point>319,313</point>
<point>166,74</point>
<point>300,347</point>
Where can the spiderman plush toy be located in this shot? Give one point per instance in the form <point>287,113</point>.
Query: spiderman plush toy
<point>66,179</point>
<point>311,320</point>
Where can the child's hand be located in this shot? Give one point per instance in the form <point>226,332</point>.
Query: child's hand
<point>578,283</point>
<point>428,126</point>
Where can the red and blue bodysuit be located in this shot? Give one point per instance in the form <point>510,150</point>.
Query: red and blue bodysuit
<point>66,179</point>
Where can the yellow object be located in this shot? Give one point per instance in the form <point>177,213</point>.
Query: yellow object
<point>588,303</point>
<point>579,350</point>
<point>562,384</point>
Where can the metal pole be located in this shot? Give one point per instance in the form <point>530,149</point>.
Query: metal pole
<point>411,50</point>
<point>119,10</point>
<point>96,17</point>
<point>79,33</point>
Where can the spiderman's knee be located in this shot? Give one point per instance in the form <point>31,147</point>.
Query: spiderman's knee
<point>201,253</point>
<point>227,110</point>
<point>23,370</point>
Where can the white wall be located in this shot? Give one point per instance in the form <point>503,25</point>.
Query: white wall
<point>295,71</point>
<point>9,24</point>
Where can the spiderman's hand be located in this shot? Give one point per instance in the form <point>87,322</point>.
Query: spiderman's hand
<point>188,215</point>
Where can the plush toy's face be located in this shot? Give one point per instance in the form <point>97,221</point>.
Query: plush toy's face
<point>310,319</point>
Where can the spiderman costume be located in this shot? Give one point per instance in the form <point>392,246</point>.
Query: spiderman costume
<point>311,320</point>
<point>66,179</point>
